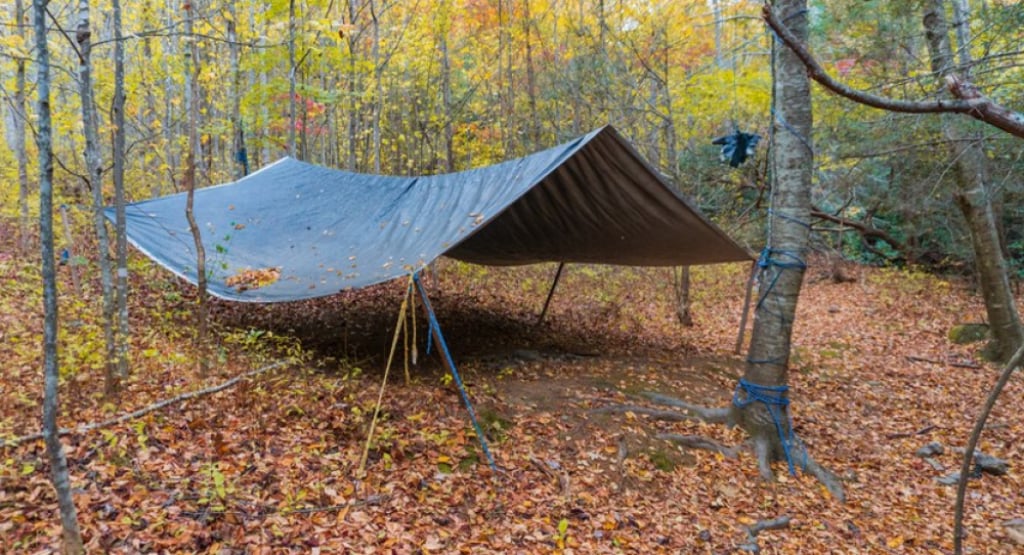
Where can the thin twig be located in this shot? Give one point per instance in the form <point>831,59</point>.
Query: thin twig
<point>965,466</point>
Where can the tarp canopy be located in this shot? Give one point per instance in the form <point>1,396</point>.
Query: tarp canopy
<point>294,230</point>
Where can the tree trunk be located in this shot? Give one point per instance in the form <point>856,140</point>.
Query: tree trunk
<point>782,267</point>
<point>378,81</point>
<point>291,78</point>
<point>973,194</point>
<point>191,84</point>
<point>352,129</point>
<point>446,90</point>
<point>51,369</point>
<point>682,290</point>
<point>716,10</point>
<point>17,142</point>
<point>241,157</point>
<point>172,129</point>
<point>531,79</point>
<point>121,239</point>
<point>94,165</point>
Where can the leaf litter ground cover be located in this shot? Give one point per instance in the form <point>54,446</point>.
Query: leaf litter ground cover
<point>271,465</point>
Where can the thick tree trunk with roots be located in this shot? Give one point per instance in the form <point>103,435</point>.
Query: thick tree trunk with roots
<point>782,266</point>
<point>761,404</point>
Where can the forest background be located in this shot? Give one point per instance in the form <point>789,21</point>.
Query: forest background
<point>432,86</point>
<point>214,91</point>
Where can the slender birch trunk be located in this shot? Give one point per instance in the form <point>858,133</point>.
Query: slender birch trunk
<point>18,117</point>
<point>120,235</point>
<point>191,109</point>
<point>94,165</point>
<point>291,78</point>
<point>240,155</point>
<point>51,368</point>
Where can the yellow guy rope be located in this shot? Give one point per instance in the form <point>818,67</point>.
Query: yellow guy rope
<point>380,397</point>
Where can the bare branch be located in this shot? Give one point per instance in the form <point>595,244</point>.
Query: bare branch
<point>969,100</point>
<point>867,231</point>
<point>972,443</point>
<point>151,408</point>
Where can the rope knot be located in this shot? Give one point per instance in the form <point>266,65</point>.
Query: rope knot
<point>774,397</point>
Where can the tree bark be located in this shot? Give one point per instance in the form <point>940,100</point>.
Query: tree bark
<point>782,264</point>
<point>352,126</point>
<point>18,118</point>
<point>291,78</point>
<point>378,87</point>
<point>51,369</point>
<point>446,89</point>
<point>172,129</point>
<point>682,290</point>
<point>974,196</point>
<point>191,108</point>
<point>94,165</point>
<point>531,79</point>
<point>239,153</point>
<point>120,234</point>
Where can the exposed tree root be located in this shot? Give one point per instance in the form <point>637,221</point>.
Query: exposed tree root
<point>753,530</point>
<point>766,449</point>
<point>711,415</point>
<point>701,442</point>
<point>666,415</point>
<point>832,483</point>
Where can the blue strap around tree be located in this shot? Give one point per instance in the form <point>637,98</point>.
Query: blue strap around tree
<point>442,347</point>
<point>775,400</point>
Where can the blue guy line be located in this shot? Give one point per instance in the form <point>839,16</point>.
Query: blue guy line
<point>442,346</point>
<point>774,398</point>
<point>781,260</point>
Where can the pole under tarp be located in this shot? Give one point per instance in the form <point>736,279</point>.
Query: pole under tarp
<point>442,347</point>
<point>746,307</point>
<point>551,293</point>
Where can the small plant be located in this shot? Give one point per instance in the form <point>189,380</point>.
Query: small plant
<point>562,535</point>
<point>215,489</point>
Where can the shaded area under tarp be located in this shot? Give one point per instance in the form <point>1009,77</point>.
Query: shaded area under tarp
<point>593,199</point>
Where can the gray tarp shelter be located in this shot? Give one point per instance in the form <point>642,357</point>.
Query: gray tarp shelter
<point>593,199</point>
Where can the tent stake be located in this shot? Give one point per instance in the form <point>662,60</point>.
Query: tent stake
<point>544,311</point>
<point>746,308</point>
<point>446,356</point>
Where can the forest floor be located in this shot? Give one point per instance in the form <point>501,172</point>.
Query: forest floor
<point>271,465</point>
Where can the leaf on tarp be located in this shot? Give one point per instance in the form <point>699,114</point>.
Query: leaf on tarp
<point>253,279</point>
